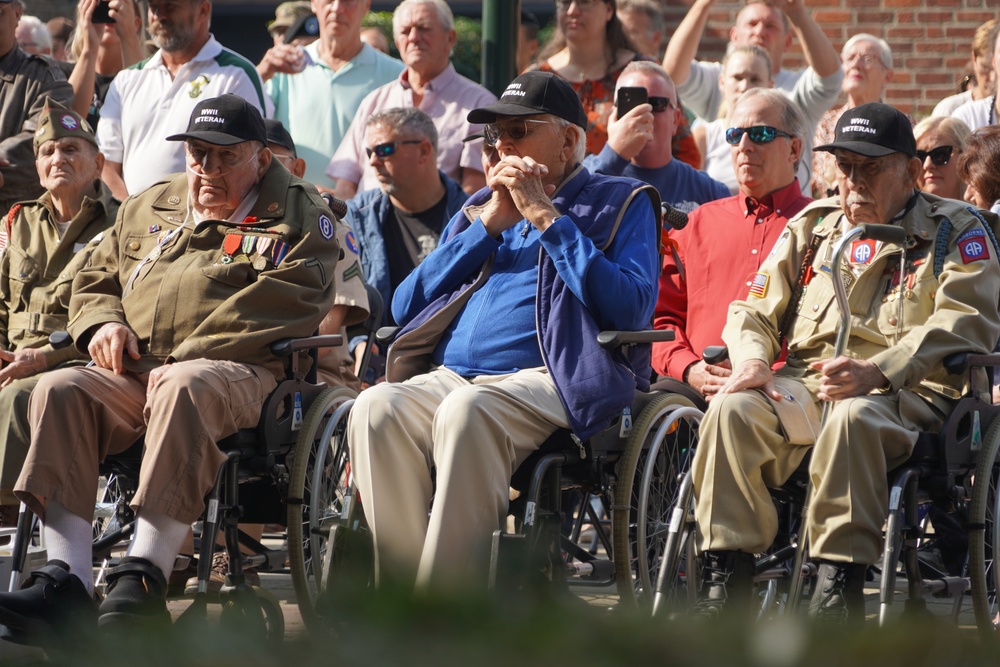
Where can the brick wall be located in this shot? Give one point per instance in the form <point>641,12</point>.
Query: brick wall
<point>930,39</point>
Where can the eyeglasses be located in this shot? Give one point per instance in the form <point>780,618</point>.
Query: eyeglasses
<point>865,59</point>
<point>759,134</point>
<point>563,5</point>
<point>515,129</point>
<point>388,149</point>
<point>660,104</point>
<point>939,156</point>
<point>281,157</point>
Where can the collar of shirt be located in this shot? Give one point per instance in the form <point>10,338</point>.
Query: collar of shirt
<point>210,50</point>
<point>437,83</point>
<point>773,203</point>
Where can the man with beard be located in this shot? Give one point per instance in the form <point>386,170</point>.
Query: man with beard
<point>152,100</point>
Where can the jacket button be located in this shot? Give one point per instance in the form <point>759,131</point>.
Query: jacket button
<point>893,321</point>
<point>815,307</point>
<point>134,245</point>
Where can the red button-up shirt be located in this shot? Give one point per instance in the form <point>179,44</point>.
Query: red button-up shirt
<point>721,249</point>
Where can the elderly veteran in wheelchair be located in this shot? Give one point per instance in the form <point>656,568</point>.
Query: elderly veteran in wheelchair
<point>47,242</point>
<point>889,386</point>
<point>177,307</point>
<point>498,343</point>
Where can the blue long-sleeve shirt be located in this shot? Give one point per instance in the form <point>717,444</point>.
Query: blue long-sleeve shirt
<point>495,332</point>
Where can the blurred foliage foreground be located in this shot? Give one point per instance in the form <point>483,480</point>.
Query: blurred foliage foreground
<point>392,628</point>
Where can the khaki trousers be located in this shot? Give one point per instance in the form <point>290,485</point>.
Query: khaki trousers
<point>741,453</point>
<point>15,434</point>
<point>474,433</point>
<point>80,415</point>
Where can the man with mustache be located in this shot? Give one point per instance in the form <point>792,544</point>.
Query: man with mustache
<point>152,100</point>
<point>889,385</point>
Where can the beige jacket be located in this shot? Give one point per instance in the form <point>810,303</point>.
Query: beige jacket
<point>211,291</point>
<point>906,327</point>
<point>38,267</point>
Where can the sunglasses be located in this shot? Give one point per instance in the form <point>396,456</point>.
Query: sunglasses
<point>939,156</point>
<point>660,104</point>
<point>388,149</point>
<point>515,129</point>
<point>759,134</point>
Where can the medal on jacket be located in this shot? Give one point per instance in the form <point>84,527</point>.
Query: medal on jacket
<point>248,244</point>
<point>263,243</point>
<point>230,245</point>
<point>280,250</point>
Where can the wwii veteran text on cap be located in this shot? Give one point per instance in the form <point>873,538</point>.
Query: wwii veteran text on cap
<point>223,121</point>
<point>533,93</point>
<point>873,130</point>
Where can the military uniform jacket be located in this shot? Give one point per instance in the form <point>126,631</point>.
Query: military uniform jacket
<point>38,266</point>
<point>906,324</point>
<point>25,81</point>
<point>216,290</point>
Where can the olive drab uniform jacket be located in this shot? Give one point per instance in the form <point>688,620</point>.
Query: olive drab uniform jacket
<point>945,301</point>
<point>38,266</point>
<point>216,289</point>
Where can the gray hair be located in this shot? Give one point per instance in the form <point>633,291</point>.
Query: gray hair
<point>881,47</point>
<point>444,12</point>
<point>648,67</point>
<point>954,130</point>
<point>39,32</point>
<point>407,120</point>
<point>790,118</point>
<point>648,7</point>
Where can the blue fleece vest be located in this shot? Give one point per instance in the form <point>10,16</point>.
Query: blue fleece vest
<point>595,385</point>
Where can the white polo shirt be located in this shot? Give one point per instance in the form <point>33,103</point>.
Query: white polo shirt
<point>145,105</point>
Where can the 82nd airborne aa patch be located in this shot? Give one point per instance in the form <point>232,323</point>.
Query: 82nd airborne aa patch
<point>758,287</point>
<point>973,246</point>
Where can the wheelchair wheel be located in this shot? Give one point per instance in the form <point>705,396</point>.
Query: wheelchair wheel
<point>984,541</point>
<point>316,492</point>
<point>256,612</point>
<point>656,457</point>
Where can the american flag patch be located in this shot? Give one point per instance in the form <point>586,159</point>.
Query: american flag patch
<point>758,287</point>
<point>973,247</point>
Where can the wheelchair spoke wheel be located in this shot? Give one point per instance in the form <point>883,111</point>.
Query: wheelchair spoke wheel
<point>656,457</point>
<point>254,612</point>
<point>984,540</point>
<point>317,488</point>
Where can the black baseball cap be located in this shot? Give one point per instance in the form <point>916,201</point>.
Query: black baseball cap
<point>873,130</point>
<point>533,93</point>
<point>277,134</point>
<point>305,27</point>
<point>225,120</point>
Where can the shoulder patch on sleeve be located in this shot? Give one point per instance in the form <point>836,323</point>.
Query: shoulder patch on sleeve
<point>973,245</point>
<point>758,287</point>
<point>326,227</point>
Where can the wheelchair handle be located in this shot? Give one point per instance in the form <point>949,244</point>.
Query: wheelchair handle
<point>284,347</point>
<point>385,335</point>
<point>60,339</point>
<point>715,354</point>
<point>673,217</point>
<point>610,340</point>
<point>885,233</point>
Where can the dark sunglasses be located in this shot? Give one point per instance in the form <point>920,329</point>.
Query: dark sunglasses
<point>759,134</point>
<point>939,156</point>
<point>515,128</point>
<point>388,149</point>
<point>660,104</point>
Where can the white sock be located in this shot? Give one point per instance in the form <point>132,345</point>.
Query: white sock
<point>158,538</point>
<point>68,538</point>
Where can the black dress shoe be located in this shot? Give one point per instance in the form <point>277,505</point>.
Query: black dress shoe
<point>52,608</point>
<point>137,595</point>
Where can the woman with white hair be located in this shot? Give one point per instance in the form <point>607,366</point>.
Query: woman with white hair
<point>867,64</point>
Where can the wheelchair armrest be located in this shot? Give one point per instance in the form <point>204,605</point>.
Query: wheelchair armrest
<point>286,346</point>
<point>990,360</point>
<point>715,354</point>
<point>610,340</point>
<point>385,335</point>
<point>60,339</point>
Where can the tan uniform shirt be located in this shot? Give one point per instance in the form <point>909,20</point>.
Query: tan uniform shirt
<point>336,366</point>
<point>216,290</point>
<point>906,325</point>
<point>38,266</point>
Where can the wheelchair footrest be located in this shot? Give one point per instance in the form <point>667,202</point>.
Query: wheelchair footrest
<point>597,569</point>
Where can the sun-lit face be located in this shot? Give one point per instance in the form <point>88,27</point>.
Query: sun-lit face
<point>865,75</point>
<point>743,71</point>
<point>422,40</point>
<point>873,189</point>
<point>220,177</point>
<point>940,180</point>
<point>761,25</point>
<point>67,166</point>
<point>765,167</point>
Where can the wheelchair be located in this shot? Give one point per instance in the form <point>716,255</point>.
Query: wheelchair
<point>625,482</point>
<point>276,473</point>
<point>947,486</point>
